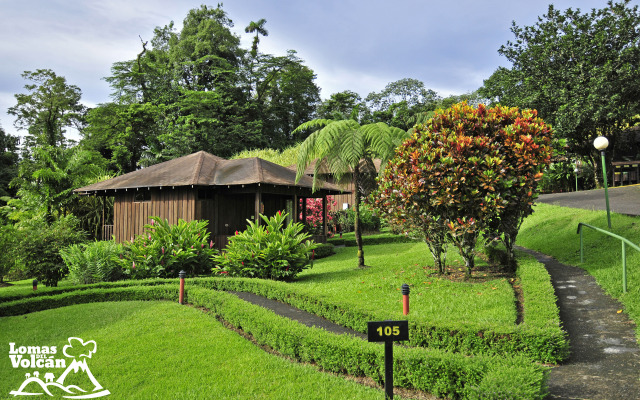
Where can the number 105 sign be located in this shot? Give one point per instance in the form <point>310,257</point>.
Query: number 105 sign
<point>382,331</point>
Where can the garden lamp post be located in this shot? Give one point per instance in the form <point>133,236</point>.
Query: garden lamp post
<point>576,171</point>
<point>601,143</point>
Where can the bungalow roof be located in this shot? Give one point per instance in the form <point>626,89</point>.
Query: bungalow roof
<point>204,169</point>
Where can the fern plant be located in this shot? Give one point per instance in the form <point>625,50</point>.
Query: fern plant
<point>346,147</point>
<point>93,262</point>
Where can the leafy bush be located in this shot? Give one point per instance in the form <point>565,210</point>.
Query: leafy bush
<point>269,251</point>
<point>40,244</point>
<point>164,249</point>
<point>468,170</point>
<point>345,219</point>
<point>8,239</point>
<point>93,262</point>
<point>314,214</point>
<point>323,250</point>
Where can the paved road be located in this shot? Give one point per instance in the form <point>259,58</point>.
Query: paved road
<point>622,199</point>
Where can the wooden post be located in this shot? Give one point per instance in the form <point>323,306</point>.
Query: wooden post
<point>304,210</point>
<point>257,206</point>
<point>324,215</point>
<point>295,208</point>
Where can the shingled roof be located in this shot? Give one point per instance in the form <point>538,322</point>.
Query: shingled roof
<point>204,169</point>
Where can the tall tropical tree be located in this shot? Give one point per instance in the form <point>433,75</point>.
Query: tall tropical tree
<point>259,29</point>
<point>346,147</point>
<point>50,106</point>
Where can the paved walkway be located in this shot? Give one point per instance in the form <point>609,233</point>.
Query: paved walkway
<point>605,358</point>
<point>622,199</point>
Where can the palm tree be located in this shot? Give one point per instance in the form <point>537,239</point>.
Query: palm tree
<point>344,146</point>
<point>258,28</point>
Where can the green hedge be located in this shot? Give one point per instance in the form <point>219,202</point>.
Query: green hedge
<point>369,240</point>
<point>433,371</point>
<point>539,337</point>
<point>39,303</point>
<point>45,291</point>
<point>324,250</point>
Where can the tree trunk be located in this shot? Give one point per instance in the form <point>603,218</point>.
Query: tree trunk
<point>357,225</point>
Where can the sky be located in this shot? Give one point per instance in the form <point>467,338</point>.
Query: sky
<point>358,45</point>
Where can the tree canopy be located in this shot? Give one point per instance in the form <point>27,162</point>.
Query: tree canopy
<point>579,70</point>
<point>343,146</point>
<point>50,106</point>
<point>198,89</point>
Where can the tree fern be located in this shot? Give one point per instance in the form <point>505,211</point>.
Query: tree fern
<point>340,145</point>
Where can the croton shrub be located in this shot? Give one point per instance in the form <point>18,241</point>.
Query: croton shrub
<point>469,170</point>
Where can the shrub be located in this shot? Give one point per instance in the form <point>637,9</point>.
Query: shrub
<point>324,250</point>
<point>164,249</point>
<point>8,236</point>
<point>469,170</point>
<point>40,245</point>
<point>370,222</point>
<point>270,251</point>
<point>93,262</point>
<point>314,214</point>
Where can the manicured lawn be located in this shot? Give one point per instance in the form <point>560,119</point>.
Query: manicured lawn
<point>161,350</point>
<point>487,304</point>
<point>164,350</point>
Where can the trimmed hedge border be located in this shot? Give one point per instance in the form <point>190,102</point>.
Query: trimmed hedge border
<point>433,371</point>
<point>372,240</point>
<point>539,337</point>
<point>100,285</point>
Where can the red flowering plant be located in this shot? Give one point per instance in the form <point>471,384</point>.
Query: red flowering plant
<point>469,170</point>
<point>313,220</point>
<point>271,250</point>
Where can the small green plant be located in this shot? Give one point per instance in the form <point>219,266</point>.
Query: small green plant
<point>345,219</point>
<point>269,251</point>
<point>93,262</point>
<point>164,250</point>
<point>40,244</point>
<point>8,236</point>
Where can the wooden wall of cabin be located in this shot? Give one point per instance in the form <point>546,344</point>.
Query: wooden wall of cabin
<point>233,212</point>
<point>339,199</point>
<point>133,209</point>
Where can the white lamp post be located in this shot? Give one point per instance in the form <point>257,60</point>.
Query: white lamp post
<point>601,143</point>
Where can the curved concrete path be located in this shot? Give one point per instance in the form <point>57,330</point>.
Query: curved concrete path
<point>605,358</point>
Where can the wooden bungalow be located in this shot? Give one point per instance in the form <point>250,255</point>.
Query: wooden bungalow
<point>202,186</point>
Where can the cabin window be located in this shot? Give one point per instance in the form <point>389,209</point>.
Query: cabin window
<point>142,196</point>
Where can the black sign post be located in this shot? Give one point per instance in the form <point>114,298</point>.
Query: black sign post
<point>388,332</point>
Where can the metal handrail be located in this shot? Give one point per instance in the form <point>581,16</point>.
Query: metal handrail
<point>624,241</point>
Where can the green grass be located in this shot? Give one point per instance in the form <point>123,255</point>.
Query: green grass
<point>160,350</point>
<point>552,230</point>
<point>433,299</point>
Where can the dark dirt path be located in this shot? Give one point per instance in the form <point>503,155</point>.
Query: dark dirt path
<point>605,358</point>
